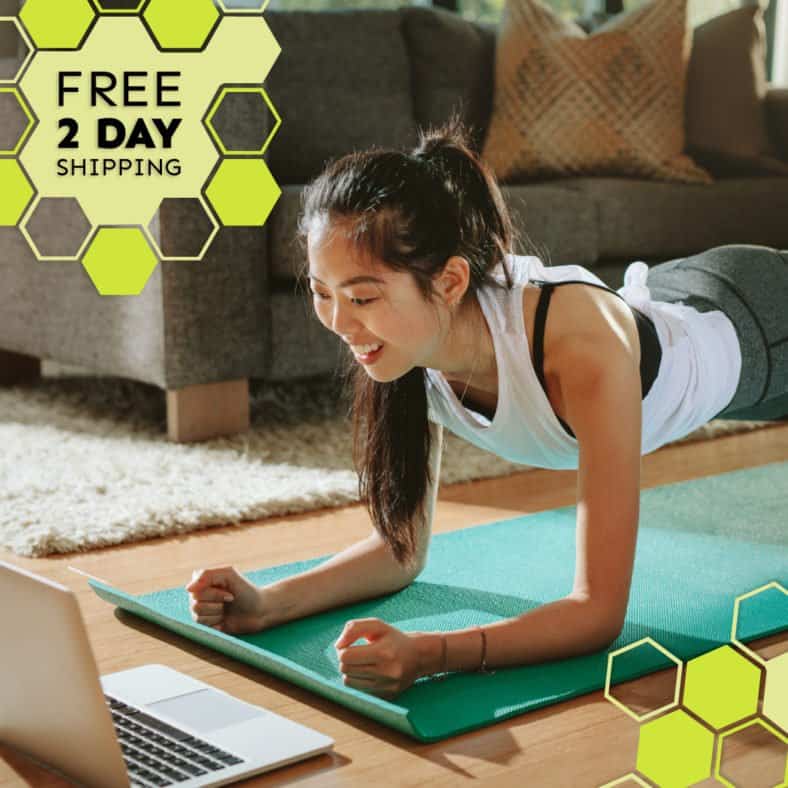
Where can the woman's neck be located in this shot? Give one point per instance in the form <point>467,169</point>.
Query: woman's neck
<point>475,363</point>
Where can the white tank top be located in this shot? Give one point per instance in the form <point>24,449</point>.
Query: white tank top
<point>698,374</point>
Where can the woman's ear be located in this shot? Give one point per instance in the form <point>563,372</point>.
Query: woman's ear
<point>454,280</point>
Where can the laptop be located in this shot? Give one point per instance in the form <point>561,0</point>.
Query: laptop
<point>148,726</point>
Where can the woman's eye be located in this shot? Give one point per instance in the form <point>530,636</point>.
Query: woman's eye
<point>361,301</point>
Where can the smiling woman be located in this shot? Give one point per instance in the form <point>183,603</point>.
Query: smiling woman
<point>409,255</point>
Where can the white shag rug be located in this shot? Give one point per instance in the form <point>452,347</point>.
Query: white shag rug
<point>85,462</point>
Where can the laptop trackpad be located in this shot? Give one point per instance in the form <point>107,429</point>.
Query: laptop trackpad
<point>206,710</point>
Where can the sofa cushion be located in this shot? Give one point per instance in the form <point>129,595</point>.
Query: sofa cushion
<point>727,129</point>
<point>611,103</point>
<point>642,219</point>
<point>561,221</point>
<point>452,66</point>
<point>341,82</point>
<point>726,85</point>
<point>777,118</point>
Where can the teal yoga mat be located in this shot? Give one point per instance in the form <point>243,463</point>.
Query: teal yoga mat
<point>701,544</point>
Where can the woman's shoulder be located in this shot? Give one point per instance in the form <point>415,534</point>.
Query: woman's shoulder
<point>582,317</point>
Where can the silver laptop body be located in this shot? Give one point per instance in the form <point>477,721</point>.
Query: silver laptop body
<point>148,726</point>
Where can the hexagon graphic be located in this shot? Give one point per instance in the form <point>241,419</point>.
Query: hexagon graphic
<point>242,192</point>
<point>119,260</point>
<point>182,228</point>
<point>119,6</point>
<point>11,67</point>
<point>722,687</point>
<point>57,228</point>
<point>244,6</point>
<point>16,121</point>
<point>675,751</point>
<point>748,611</point>
<point>643,643</point>
<point>57,24</point>
<point>16,191</point>
<point>181,24</point>
<point>117,198</point>
<point>239,120</point>
<point>775,691</point>
<point>772,748</point>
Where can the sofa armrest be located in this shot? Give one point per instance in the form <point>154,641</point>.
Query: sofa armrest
<point>776,101</point>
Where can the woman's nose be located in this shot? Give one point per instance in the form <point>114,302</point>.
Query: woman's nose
<point>341,321</point>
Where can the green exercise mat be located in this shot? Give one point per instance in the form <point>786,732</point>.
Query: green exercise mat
<point>701,544</point>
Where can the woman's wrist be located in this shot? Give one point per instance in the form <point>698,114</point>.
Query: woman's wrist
<point>276,605</point>
<point>429,648</point>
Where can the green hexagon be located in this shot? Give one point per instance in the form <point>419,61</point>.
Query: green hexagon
<point>639,650</point>
<point>773,594</point>
<point>57,24</point>
<point>708,674</point>
<point>215,108</point>
<point>25,110</point>
<point>675,751</point>
<point>243,192</point>
<point>775,691</point>
<point>728,779</point>
<point>16,191</point>
<point>181,24</point>
<point>119,260</point>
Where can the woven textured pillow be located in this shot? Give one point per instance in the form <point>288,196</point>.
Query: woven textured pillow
<point>610,103</point>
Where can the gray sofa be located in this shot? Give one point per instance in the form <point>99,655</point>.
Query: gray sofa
<point>347,80</point>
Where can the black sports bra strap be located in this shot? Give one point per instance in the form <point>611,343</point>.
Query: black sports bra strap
<point>539,324</point>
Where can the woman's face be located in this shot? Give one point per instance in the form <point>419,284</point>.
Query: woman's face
<point>390,311</point>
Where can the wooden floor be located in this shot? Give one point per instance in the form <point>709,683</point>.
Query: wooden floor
<point>586,741</point>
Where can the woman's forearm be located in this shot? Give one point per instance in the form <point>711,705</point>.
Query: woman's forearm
<point>364,570</point>
<point>568,627</point>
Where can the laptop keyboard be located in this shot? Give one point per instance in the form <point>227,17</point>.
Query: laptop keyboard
<point>160,754</point>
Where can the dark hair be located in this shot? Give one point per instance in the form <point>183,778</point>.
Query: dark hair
<point>412,211</point>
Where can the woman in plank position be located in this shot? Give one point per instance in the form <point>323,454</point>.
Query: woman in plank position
<point>410,263</point>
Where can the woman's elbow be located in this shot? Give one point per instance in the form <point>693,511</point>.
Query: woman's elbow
<point>610,630</point>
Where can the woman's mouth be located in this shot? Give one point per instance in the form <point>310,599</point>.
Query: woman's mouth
<point>367,354</point>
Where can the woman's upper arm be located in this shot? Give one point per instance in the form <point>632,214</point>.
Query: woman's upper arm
<point>601,389</point>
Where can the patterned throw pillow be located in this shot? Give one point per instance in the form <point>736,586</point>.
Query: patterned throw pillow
<point>610,103</point>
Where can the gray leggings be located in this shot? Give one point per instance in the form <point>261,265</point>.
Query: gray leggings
<point>749,284</point>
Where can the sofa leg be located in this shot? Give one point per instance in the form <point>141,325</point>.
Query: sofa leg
<point>209,410</point>
<point>18,368</point>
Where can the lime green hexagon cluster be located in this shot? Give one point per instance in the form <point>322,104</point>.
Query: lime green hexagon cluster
<point>241,191</point>
<point>719,699</point>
